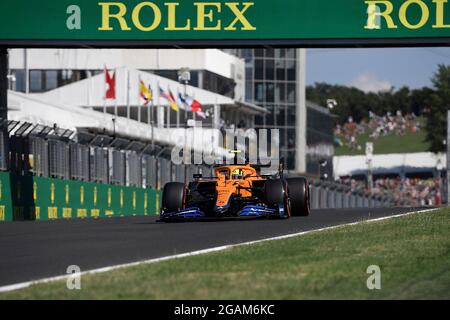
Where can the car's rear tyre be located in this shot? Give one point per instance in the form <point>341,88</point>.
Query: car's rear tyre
<point>298,190</point>
<point>274,193</point>
<point>173,197</point>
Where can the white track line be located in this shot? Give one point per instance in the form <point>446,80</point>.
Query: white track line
<point>23,285</point>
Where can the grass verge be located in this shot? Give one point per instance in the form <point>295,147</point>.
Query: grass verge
<point>413,253</point>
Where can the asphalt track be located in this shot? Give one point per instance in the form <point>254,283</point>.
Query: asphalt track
<point>35,250</point>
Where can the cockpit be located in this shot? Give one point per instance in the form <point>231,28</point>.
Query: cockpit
<point>237,174</point>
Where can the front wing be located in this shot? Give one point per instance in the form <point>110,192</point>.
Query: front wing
<point>248,211</point>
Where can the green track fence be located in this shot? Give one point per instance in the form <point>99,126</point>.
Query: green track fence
<point>38,198</point>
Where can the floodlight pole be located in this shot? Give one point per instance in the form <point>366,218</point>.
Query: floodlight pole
<point>301,113</point>
<point>27,71</point>
<point>184,76</point>
<point>150,111</point>
<point>4,100</point>
<point>185,155</point>
<point>3,83</point>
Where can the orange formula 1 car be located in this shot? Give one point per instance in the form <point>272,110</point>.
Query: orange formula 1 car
<point>236,191</point>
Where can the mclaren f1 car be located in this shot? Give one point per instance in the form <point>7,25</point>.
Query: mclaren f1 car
<point>236,191</point>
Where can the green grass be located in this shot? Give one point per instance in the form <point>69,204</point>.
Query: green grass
<point>407,143</point>
<point>413,253</point>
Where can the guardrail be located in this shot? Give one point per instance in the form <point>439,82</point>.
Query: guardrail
<point>50,157</point>
<point>329,195</point>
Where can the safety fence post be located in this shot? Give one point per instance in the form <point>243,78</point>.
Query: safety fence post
<point>346,202</point>
<point>315,196</point>
<point>338,199</point>
<point>366,202</point>
<point>353,200</point>
<point>323,197</point>
<point>360,201</point>
<point>330,197</point>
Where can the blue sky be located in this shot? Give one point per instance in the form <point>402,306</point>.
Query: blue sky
<point>375,69</point>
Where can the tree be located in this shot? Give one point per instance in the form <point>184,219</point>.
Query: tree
<point>357,104</point>
<point>352,101</point>
<point>419,100</point>
<point>438,105</point>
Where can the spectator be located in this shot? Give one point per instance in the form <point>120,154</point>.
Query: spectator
<point>376,127</point>
<point>419,192</point>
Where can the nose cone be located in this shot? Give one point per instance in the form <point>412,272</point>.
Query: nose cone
<point>220,210</point>
<point>223,200</point>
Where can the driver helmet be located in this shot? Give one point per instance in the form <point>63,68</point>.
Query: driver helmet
<point>237,174</point>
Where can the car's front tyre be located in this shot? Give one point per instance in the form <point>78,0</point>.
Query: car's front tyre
<point>173,197</point>
<point>276,195</point>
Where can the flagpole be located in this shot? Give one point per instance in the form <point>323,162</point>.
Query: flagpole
<point>139,105</point>
<point>178,118</point>
<point>128,94</point>
<point>150,113</point>
<point>129,107</point>
<point>104,91</point>
<point>151,124</point>
<point>185,141</point>
<point>158,109</point>
<point>186,112</point>
<point>194,115</point>
<point>150,109</point>
<point>168,114</point>
<point>115,89</point>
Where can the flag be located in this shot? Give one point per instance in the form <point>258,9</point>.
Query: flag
<point>195,106</point>
<point>182,102</point>
<point>170,99</point>
<point>110,82</point>
<point>145,92</point>
<point>201,114</point>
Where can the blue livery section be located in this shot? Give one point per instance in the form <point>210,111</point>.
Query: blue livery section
<point>255,210</point>
<point>248,211</point>
<point>189,213</point>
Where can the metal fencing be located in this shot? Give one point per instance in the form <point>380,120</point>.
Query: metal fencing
<point>3,151</point>
<point>98,165</point>
<point>79,162</point>
<point>326,195</point>
<point>149,172</point>
<point>74,161</point>
<point>39,164</point>
<point>133,162</point>
<point>67,159</point>
<point>59,159</point>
